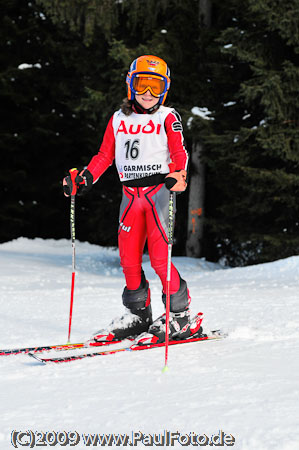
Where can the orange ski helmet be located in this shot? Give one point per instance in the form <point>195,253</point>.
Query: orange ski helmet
<point>151,73</point>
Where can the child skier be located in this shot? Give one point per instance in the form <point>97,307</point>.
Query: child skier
<point>143,137</point>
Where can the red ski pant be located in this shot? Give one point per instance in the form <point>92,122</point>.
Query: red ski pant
<point>144,216</point>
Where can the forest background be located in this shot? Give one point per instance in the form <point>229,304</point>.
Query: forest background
<point>235,78</point>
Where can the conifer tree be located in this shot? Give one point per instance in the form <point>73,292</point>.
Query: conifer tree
<point>254,145</point>
<point>41,131</point>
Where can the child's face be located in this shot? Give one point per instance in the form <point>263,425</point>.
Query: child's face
<point>146,100</point>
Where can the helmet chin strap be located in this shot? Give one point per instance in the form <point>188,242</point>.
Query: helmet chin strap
<point>140,110</point>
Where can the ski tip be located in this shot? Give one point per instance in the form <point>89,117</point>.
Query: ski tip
<point>36,358</point>
<point>219,334</point>
<point>165,369</point>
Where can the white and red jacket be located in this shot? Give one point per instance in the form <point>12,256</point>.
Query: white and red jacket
<point>142,145</point>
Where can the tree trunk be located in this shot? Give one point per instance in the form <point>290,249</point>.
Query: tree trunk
<point>196,202</point>
<point>197,171</point>
<point>205,15</point>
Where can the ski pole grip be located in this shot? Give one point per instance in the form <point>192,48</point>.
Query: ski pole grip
<point>171,167</point>
<point>73,174</point>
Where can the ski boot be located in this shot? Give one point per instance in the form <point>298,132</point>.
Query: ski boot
<point>136,320</point>
<point>181,326</point>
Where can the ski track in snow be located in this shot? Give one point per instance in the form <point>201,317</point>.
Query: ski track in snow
<point>245,385</point>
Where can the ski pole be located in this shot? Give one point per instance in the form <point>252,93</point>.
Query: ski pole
<point>168,279</point>
<point>73,173</point>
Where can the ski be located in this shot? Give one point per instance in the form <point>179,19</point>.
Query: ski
<point>214,335</point>
<point>60,347</point>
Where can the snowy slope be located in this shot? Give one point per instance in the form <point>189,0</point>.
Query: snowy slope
<point>246,385</point>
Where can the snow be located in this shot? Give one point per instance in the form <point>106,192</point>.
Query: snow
<point>229,104</point>
<point>24,66</point>
<point>202,112</point>
<point>245,385</point>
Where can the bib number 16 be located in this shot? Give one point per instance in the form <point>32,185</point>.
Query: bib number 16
<point>132,149</point>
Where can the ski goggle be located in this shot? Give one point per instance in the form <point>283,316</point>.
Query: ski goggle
<point>155,84</point>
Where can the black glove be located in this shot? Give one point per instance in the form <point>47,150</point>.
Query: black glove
<point>84,181</point>
<point>80,185</point>
<point>176,181</point>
